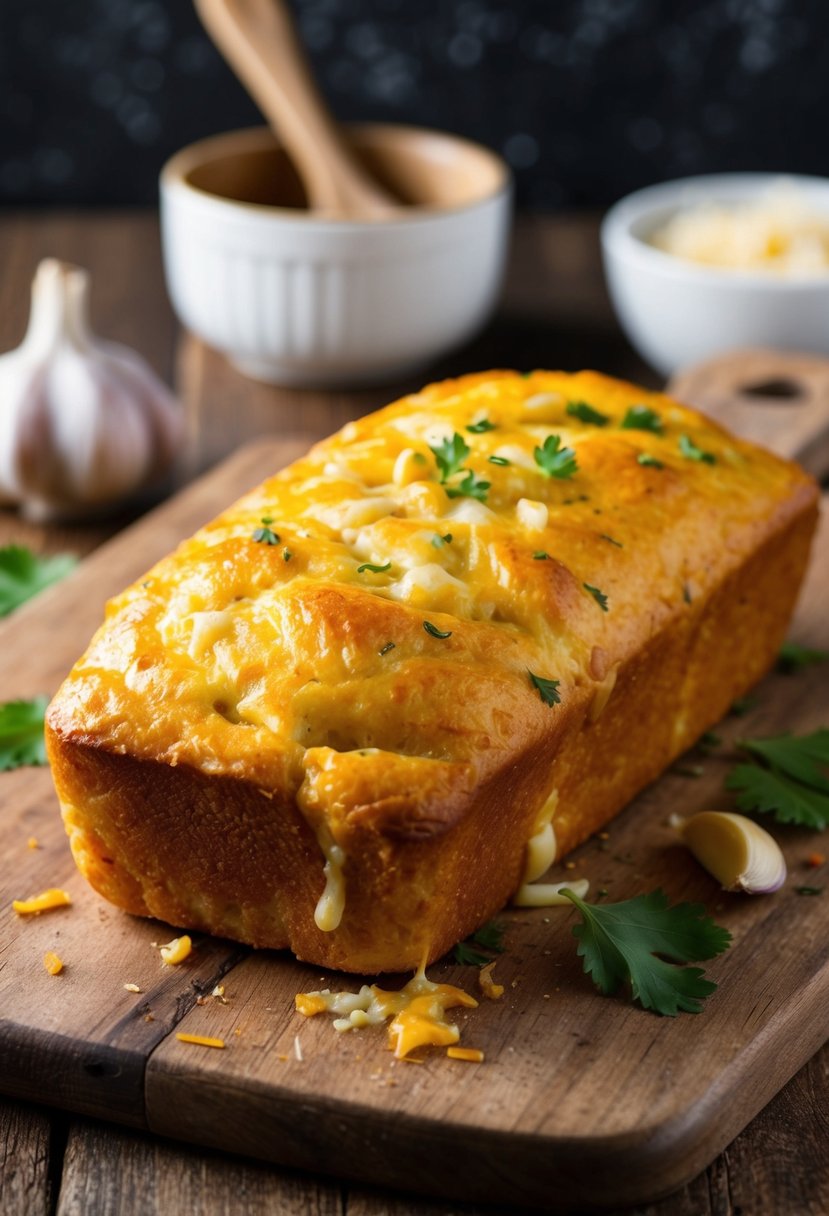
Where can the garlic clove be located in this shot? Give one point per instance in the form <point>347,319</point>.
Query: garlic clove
<point>84,422</point>
<point>548,894</point>
<point>739,853</point>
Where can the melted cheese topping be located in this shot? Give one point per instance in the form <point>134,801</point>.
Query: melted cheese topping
<point>777,232</point>
<point>331,904</point>
<point>418,1011</point>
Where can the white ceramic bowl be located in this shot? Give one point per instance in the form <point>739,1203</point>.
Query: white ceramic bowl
<point>295,298</point>
<point>676,312</point>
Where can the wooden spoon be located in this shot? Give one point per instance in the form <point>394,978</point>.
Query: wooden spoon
<point>259,41</point>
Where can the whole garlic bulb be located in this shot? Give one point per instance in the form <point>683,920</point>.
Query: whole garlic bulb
<point>83,422</point>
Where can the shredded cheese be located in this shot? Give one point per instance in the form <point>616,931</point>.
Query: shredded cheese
<point>176,951</point>
<point>201,1040</point>
<point>473,1054</point>
<point>52,963</point>
<point>418,1011</point>
<point>489,988</point>
<point>45,902</point>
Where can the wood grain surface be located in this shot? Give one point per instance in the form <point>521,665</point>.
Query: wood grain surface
<point>590,1100</point>
<point>555,313</point>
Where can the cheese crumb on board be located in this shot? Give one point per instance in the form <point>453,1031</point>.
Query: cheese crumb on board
<point>473,1054</point>
<point>489,988</point>
<point>33,843</point>
<point>176,951</point>
<point>418,1011</point>
<point>201,1040</point>
<point>45,902</point>
<point>132,988</point>
<point>52,963</point>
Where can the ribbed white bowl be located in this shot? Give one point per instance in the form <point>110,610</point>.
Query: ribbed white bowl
<point>294,298</point>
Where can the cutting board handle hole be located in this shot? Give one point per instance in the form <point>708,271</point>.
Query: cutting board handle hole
<point>778,388</point>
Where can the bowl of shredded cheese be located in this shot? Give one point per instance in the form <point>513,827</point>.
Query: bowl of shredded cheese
<point>707,264</point>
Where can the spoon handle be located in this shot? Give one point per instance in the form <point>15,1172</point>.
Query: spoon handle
<point>259,41</point>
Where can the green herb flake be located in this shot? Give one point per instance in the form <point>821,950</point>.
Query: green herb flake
<point>649,462</point>
<point>385,649</point>
<point>642,418</point>
<point>469,487</point>
<point>479,428</point>
<point>466,955</point>
<point>439,541</point>
<point>490,936</point>
<point>548,689</point>
<point>690,451</point>
<point>264,535</point>
<point>502,460</point>
<point>554,460</point>
<point>586,413</point>
<point>371,569</point>
<point>785,778</point>
<point>794,658</point>
<point>709,741</point>
<point>450,455</point>
<point>24,574</point>
<point>541,556</point>
<point>610,540</point>
<point>21,733</point>
<point>598,596</point>
<point>642,942</point>
<point>809,890</point>
<point>286,555</point>
<point>434,632</point>
<point>742,706</point>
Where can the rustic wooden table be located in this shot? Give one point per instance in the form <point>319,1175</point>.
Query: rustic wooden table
<point>555,313</point>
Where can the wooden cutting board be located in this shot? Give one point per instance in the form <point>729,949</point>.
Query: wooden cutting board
<point>582,1100</point>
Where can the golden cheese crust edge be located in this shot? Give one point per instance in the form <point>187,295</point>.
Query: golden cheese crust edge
<point>198,781</point>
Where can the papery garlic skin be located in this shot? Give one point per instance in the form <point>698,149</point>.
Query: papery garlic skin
<point>83,422</point>
<point>739,853</point>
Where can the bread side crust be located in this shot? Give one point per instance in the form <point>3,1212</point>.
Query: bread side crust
<point>233,858</point>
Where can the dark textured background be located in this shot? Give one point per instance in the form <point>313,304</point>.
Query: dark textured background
<point>587,99</point>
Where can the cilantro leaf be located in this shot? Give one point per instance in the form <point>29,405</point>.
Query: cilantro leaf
<point>21,733</point>
<point>793,657</point>
<point>642,418</point>
<point>478,428</point>
<point>23,574</point>
<point>450,455</point>
<point>373,569</point>
<point>598,596</point>
<point>554,460</point>
<point>690,451</point>
<point>469,487</point>
<point>490,936</point>
<point>784,778</point>
<point>640,941</point>
<point>548,689</point>
<point>586,413</point>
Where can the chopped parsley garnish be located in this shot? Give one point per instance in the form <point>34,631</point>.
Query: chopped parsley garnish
<point>641,942</point>
<point>478,428</point>
<point>785,777</point>
<point>598,596</point>
<point>690,451</point>
<point>286,555</point>
<point>809,890</point>
<point>794,657</point>
<point>490,936</point>
<point>264,535</point>
<point>21,733</point>
<point>469,487</point>
<point>650,462</point>
<point>554,460</point>
<point>434,632</point>
<point>586,413</point>
<point>548,689</point>
<point>367,566</point>
<point>498,460</point>
<point>642,418</point>
<point>450,455</point>
<point>439,541</point>
<point>24,574</point>
<point>610,540</point>
<point>385,649</point>
<point>541,555</point>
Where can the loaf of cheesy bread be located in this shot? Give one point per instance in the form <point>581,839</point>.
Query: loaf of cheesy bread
<point>334,719</point>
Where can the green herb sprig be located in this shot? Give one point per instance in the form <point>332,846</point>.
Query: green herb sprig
<point>21,733</point>
<point>24,574</point>
<point>785,778</point>
<point>554,460</point>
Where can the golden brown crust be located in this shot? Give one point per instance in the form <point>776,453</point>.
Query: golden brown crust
<point>240,710</point>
